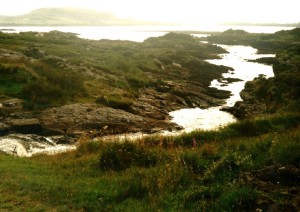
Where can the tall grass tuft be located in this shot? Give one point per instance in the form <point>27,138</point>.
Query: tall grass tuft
<point>194,162</point>
<point>237,199</point>
<point>285,150</point>
<point>122,155</point>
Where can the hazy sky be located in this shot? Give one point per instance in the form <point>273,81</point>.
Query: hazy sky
<point>183,11</point>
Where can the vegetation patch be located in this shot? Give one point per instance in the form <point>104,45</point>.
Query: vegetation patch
<point>56,68</point>
<point>119,156</point>
<point>220,172</point>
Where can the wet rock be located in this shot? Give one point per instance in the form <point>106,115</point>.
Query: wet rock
<point>30,144</point>
<point>4,128</point>
<point>157,103</point>
<point>63,139</point>
<point>228,80</point>
<point>244,109</point>
<point>156,115</point>
<point>32,125</point>
<point>154,130</point>
<point>12,103</point>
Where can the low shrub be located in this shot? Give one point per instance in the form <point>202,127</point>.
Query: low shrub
<point>250,127</point>
<point>259,149</point>
<point>115,101</point>
<point>237,199</point>
<point>285,150</point>
<point>197,197</point>
<point>228,167</point>
<point>121,155</point>
<point>209,150</point>
<point>194,162</point>
<point>155,182</point>
<point>283,121</point>
<point>88,147</point>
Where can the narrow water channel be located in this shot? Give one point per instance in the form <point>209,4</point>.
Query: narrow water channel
<point>212,118</point>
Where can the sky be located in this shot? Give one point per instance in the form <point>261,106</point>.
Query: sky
<point>175,11</point>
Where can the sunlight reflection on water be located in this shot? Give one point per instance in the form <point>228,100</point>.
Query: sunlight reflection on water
<point>212,118</point>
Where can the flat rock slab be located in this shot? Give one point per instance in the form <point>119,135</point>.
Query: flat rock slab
<point>32,125</point>
<point>77,117</point>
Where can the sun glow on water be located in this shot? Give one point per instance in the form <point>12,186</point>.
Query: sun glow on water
<point>212,118</point>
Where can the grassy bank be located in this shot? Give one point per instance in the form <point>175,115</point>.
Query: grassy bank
<point>236,168</point>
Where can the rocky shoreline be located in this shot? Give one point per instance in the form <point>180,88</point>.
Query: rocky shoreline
<point>148,114</point>
<point>76,119</point>
<point>249,107</point>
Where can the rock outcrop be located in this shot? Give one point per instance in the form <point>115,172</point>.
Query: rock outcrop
<point>99,120</point>
<point>157,103</point>
<point>4,128</point>
<point>248,107</point>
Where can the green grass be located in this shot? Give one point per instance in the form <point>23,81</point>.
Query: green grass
<point>158,173</point>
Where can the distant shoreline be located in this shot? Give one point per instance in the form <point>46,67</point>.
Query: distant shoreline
<point>139,32</point>
<point>7,29</point>
<point>296,25</point>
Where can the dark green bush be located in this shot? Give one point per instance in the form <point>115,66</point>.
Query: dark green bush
<point>51,86</point>
<point>195,162</point>
<point>121,155</point>
<point>286,150</point>
<point>115,101</point>
<point>285,121</point>
<point>196,199</point>
<point>41,93</point>
<point>260,152</point>
<point>34,53</point>
<point>87,147</point>
<point>250,127</point>
<point>12,78</point>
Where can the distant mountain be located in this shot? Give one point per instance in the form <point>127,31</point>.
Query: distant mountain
<point>67,17</point>
<point>263,24</point>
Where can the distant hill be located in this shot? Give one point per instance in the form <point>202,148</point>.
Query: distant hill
<point>66,17</point>
<point>263,24</point>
